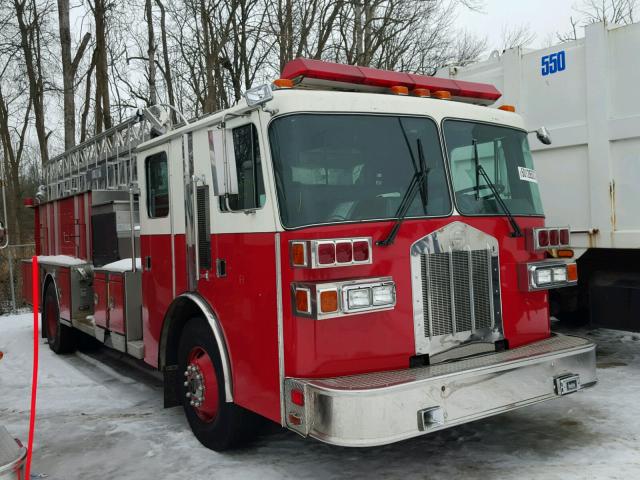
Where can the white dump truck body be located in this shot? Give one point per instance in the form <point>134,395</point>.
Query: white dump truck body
<point>587,93</point>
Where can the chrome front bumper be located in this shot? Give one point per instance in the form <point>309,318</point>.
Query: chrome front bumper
<point>385,407</point>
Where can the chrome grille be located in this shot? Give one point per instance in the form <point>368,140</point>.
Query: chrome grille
<point>456,291</point>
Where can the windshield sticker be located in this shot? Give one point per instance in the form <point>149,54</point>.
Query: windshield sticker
<point>527,175</point>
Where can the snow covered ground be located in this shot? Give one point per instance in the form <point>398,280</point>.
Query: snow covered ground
<point>98,423</point>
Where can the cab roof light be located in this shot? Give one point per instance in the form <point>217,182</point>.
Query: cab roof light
<point>442,94</point>
<point>283,83</point>
<point>421,92</point>
<point>399,90</point>
<point>316,72</point>
<point>507,108</point>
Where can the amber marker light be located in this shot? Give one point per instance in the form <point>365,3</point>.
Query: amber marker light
<point>507,108</point>
<point>421,92</point>
<point>299,254</point>
<point>399,90</point>
<point>282,83</point>
<point>442,94</point>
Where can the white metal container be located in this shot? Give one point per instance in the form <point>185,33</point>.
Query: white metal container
<point>587,93</point>
<point>12,457</point>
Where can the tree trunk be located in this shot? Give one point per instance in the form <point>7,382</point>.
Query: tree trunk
<point>69,71</point>
<point>31,58</point>
<point>103,106</point>
<point>165,57</point>
<point>151,54</point>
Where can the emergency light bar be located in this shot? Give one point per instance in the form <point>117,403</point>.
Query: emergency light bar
<point>319,74</point>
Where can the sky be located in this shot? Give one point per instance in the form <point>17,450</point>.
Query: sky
<point>544,18</point>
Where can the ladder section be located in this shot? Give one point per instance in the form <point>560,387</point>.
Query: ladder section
<point>106,161</point>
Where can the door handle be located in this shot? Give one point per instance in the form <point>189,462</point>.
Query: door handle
<point>147,261</point>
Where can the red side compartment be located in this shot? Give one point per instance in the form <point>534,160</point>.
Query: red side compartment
<point>63,282</point>
<point>100,296</point>
<point>116,303</point>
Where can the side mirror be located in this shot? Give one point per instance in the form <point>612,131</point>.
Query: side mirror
<point>223,162</point>
<point>543,135</point>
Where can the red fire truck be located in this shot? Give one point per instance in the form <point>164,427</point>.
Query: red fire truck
<point>359,255</point>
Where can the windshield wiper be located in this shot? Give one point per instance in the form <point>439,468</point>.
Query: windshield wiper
<point>517,232</point>
<point>418,182</point>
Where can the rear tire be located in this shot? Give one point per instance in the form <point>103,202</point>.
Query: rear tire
<point>61,338</point>
<point>218,425</point>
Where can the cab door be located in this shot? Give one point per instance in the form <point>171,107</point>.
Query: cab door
<point>157,169</point>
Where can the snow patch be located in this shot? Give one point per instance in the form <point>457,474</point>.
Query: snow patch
<point>62,260</point>
<point>123,265</point>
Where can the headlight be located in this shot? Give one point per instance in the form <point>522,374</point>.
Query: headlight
<point>359,298</point>
<point>543,276</point>
<point>384,295</point>
<point>560,274</point>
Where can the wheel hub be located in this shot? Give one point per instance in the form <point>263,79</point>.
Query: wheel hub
<point>201,384</point>
<point>195,386</point>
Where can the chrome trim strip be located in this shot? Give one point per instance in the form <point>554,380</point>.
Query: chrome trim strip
<point>189,214</point>
<point>383,407</point>
<point>471,290</point>
<point>280,320</point>
<point>492,285</point>
<point>87,226</point>
<point>218,334</point>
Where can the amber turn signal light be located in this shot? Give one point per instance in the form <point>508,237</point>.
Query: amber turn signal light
<point>572,272</point>
<point>329,301</point>
<point>303,302</point>
<point>507,108</point>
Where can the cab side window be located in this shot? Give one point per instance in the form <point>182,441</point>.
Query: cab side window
<point>249,167</point>
<point>157,181</point>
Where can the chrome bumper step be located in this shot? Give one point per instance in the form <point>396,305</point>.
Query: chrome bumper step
<point>384,407</point>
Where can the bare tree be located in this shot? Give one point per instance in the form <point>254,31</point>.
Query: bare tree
<point>69,71</point>
<point>608,11</point>
<point>516,36</point>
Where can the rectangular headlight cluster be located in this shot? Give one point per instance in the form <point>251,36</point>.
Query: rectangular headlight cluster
<point>328,300</point>
<point>547,274</point>
<point>360,297</point>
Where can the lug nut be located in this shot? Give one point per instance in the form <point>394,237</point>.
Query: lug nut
<point>186,384</point>
<point>188,394</point>
<point>192,403</point>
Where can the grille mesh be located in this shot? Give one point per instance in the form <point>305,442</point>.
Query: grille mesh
<point>455,291</point>
<point>204,236</point>
<point>481,288</point>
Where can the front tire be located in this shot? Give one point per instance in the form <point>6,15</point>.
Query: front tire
<point>218,425</point>
<point>61,338</point>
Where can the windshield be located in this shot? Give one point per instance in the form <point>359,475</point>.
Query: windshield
<point>504,154</point>
<point>337,168</point>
